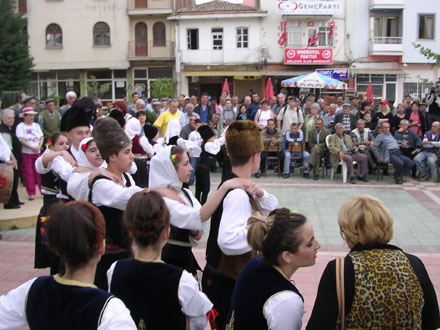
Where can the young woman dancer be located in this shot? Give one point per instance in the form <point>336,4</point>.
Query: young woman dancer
<point>264,297</point>
<point>76,233</point>
<point>170,169</point>
<point>110,197</point>
<point>159,296</point>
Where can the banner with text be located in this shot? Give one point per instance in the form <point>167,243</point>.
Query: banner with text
<point>290,7</point>
<point>309,56</point>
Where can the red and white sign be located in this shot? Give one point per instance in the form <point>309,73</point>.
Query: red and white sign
<point>308,56</point>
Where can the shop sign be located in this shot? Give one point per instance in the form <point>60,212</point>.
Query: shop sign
<point>289,7</point>
<point>334,73</point>
<point>308,56</point>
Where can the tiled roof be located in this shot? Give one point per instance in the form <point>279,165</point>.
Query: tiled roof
<point>218,6</point>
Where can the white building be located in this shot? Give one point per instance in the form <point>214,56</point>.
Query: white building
<point>384,53</point>
<point>215,41</point>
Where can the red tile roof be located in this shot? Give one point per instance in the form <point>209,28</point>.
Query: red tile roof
<point>218,6</point>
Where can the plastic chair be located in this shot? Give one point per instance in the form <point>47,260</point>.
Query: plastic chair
<point>341,163</point>
<point>297,147</point>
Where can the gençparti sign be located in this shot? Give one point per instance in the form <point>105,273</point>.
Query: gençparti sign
<point>290,7</point>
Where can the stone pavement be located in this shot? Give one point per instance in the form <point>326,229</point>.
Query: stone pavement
<point>415,207</point>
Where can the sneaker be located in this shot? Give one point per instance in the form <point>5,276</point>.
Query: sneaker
<point>352,180</point>
<point>398,180</point>
<point>286,175</point>
<point>31,198</point>
<point>306,175</point>
<point>257,175</point>
<point>316,177</point>
<point>9,207</point>
<point>425,177</point>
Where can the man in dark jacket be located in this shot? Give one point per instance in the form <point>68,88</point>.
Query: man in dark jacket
<point>346,118</point>
<point>204,110</point>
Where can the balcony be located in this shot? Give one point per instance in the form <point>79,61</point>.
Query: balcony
<point>386,46</point>
<point>148,51</point>
<point>386,4</point>
<point>149,7</point>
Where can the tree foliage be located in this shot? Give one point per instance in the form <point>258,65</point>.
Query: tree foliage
<point>162,87</point>
<point>96,88</point>
<point>429,54</point>
<point>15,61</point>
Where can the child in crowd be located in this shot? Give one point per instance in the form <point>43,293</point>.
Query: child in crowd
<point>76,233</point>
<point>159,296</point>
<point>195,137</point>
<point>293,136</point>
<point>264,297</point>
<point>57,146</point>
<point>210,148</point>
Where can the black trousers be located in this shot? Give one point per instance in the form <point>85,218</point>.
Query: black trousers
<point>13,199</point>
<point>203,184</point>
<point>219,290</point>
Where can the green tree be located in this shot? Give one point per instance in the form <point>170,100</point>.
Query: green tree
<point>162,87</point>
<point>15,62</point>
<point>96,88</point>
<point>429,54</point>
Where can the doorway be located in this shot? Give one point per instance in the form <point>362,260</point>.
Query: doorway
<point>213,89</point>
<point>141,39</point>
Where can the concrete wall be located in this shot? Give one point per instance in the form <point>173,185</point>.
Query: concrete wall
<point>76,19</point>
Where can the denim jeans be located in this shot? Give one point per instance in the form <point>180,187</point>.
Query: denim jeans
<point>288,155</point>
<point>430,158</point>
<point>194,161</point>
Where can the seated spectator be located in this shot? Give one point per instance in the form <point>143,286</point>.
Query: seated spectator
<point>368,123</point>
<point>378,130</point>
<point>347,119</point>
<point>429,154</point>
<point>271,136</point>
<point>407,140</point>
<point>294,135</point>
<point>363,139</point>
<point>384,287</point>
<point>386,150</point>
<point>342,148</point>
<point>317,148</point>
<point>400,115</point>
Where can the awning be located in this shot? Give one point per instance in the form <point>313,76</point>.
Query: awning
<point>208,73</point>
<point>377,71</point>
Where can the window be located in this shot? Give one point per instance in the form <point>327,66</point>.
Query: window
<point>392,26</point>
<point>101,34</point>
<point>217,38</point>
<point>426,26</point>
<point>54,36</point>
<point>294,36</point>
<point>192,36</point>
<point>323,37</point>
<point>242,37</point>
<point>159,38</point>
<point>377,26</point>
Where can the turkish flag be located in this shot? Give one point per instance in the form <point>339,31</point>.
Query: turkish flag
<point>283,38</point>
<point>314,39</point>
<point>332,26</point>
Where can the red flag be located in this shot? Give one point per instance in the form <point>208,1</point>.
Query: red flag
<point>225,88</point>
<point>332,26</point>
<point>269,90</point>
<point>314,39</point>
<point>283,38</point>
<point>369,96</point>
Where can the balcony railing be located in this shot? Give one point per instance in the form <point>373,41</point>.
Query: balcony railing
<point>386,4</point>
<point>386,46</point>
<point>147,7</point>
<point>150,50</point>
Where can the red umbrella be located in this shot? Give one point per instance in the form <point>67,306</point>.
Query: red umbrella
<point>226,88</point>
<point>369,96</point>
<point>269,90</point>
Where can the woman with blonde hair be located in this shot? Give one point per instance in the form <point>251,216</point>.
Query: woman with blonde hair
<point>264,297</point>
<point>384,115</point>
<point>385,288</point>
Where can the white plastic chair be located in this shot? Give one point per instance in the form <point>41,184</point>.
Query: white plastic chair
<point>342,163</point>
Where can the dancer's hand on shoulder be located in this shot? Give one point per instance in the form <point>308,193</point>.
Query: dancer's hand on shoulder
<point>233,183</point>
<point>253,189</point>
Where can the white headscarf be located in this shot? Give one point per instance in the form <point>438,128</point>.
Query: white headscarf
<point>82,158</point>
<point>133,128</point>
<point>162,171</point>
<point>173,129</point>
